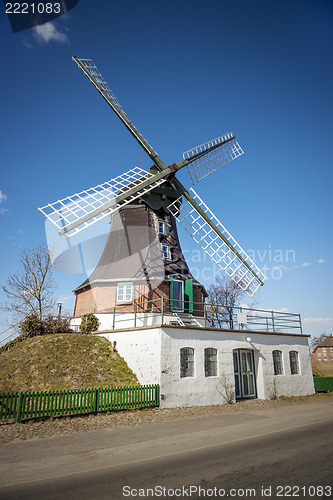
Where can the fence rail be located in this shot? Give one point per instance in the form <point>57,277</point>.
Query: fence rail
<point>39,404</point>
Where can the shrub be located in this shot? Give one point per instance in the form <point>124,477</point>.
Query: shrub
<point>89,323</point>
<point>32,326</point>
<point>57,325</point>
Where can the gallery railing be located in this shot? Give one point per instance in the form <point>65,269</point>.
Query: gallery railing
<point>168,311</point>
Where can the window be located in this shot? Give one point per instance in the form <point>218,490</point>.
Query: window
<point>124,292</point>
<point>278,364</point>
<point>294,367</point>
<point>331,352</point>
<point>161,227</point>
<point>177,295</point>
<point>319,356</point>
<point>210,362</point>
<point>166,252</point>
<point>187,362</point>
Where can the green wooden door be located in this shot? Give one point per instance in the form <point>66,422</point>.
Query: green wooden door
<point>245,381</point>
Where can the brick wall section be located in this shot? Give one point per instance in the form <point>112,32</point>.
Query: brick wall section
<point>102,299</point>
<point>329,355</point>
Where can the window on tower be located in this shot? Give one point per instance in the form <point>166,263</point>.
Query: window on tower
<point>125,292</point>
<point>161,227</point>
<point>166,252</point>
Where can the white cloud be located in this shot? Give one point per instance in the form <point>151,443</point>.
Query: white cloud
<point>48,33</point>
<point>305,264</point>
<point>3,197</point>
<point>321,261</point>
<point>318,321</point>
<point>64,298</point>
<point>283,310</point>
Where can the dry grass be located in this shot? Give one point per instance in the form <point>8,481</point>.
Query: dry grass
<point>63,361</point>
<point>322,369</point>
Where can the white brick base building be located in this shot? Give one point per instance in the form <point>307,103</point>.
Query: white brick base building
<point>205,366</point>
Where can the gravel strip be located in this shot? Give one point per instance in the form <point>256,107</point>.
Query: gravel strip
<point>37,429</point>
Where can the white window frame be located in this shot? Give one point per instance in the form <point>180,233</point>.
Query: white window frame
<point>178,304</point>
<point>278,363</point>
<point>211,365</point>
<point>187,361</point>
<point>124,292</point>
<point>161,227</point>
<point>294,363</point>
<point>319,356</point>
<point>166,252</point>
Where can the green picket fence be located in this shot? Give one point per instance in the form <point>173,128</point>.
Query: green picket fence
<point>323,384</point>
<point>40,404</point>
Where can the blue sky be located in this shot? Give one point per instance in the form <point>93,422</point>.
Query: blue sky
<point>185,72</point>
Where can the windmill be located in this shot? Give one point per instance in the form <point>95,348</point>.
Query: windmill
<point>160,191</point>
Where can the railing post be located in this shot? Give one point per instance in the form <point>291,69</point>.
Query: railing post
<point>273,321</point>
<point>135,308</point>
<point>205,314</point>
<point>300,324</point>
<point>114,318</point>
<point>162,310</point>
<point>19,408</point>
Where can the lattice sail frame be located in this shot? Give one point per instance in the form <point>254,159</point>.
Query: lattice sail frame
<point>214,246</point>
<point>97,76</point>
<point>204,165</point>
<point>70,210</point>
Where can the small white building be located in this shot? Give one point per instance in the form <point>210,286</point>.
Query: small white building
<point>197,365</point>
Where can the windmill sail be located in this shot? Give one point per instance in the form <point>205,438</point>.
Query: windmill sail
<point>217,242</point>
<point>79,211</point>
<point>212,155</point>
<point>91,71</point>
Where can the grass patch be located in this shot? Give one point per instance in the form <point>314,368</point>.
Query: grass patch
<point>62,361</point>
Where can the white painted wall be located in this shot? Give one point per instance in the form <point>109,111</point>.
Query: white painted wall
<point>154,355</point>
<point>201,390</point>
<point>141,350</point>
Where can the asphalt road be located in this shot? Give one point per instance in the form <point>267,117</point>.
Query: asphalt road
<point>283,454</point>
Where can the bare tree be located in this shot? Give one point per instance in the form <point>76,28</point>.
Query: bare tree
<point>31,291</point>
<point>315,341</point>
<point>222,298</point>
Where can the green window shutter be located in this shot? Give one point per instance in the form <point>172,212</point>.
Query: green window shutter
<point>188,295</point>
<point>171,294</point>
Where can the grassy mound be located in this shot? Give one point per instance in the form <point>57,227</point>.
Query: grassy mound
<point>63,361</point>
